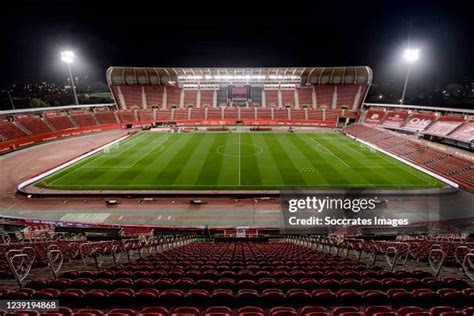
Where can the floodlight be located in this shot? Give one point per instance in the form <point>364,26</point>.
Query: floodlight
<point>411,55</point>
<point>67,56</point>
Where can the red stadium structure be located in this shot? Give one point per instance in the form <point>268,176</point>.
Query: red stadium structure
<point>182,88</point>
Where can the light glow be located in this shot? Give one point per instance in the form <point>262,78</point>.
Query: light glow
<point>411,55</point>
<point>67,56</point>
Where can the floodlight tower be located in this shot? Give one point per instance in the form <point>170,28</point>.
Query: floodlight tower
<point>10,97</point>
<point>67,56</point>
<point>411,56</point>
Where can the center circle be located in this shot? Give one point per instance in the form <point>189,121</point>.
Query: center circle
<point>236,150</point>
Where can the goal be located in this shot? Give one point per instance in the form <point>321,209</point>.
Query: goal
<point>110,148</point>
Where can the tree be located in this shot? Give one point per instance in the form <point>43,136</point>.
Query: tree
<point>38,103</point>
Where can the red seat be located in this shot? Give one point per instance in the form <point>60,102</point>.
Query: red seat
<point>171,295</point>
<point>246,293</point>
<point>409,309</point>
<point>283,311</point>
<point>96,312</point>
<point>117,311</point>
<point>469,311</point>
<point>155,310</point>
<point>188,311</point>
<point>324,295</point>
<point>371,310</point>
<point>222,293</point>
<point>437,310</point>
<point>218,310</point>
<point>273,294</point>
<point>344,309</point>
<point>250,309</point>
<point>312,310</point>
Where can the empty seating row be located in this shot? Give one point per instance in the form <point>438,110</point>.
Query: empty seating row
<point>9,131</point>
<point>310,310</point>
<point>127,297</point>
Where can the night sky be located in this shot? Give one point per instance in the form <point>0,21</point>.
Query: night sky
<point>331,33</point>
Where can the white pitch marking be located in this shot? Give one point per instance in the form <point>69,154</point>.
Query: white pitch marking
<point>330,152</point>
<point>228,185</point>
<point>159,145</point>
<point>239,163</point>
<point>98,157</point>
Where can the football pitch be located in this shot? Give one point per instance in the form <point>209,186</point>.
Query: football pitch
<point>237,161</point>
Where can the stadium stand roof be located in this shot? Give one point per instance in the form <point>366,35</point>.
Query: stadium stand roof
<point>301,75</point>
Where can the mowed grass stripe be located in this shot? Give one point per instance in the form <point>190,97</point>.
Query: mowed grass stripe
<point>130,168</point>
<point>126,155</point>
<point>77,173</point>
<point>301,162</point>
<point>154,161</point>
<point>399,172</point>
<point>414,176</point>
<point>250,172</point>
<point>229,163</point>
<point>267,165</point>
<point>181,152</point>
<point>190,171</point>
<point>316,161</point>
<point>137,162</point>
<point>211,168</point>
<point>329,168</point>
<point>400,169</point>
<point>356,176</point>
<point>285,165</point>
<point>365,163</point>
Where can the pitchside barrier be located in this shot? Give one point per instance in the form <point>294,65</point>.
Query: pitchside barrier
<point>259,122</point>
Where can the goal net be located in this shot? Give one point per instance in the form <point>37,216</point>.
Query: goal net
<point>110,148</point>
<point>368,148</point>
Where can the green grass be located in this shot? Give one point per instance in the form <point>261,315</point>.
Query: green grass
<point>237,161</point>
<point>101,95</point>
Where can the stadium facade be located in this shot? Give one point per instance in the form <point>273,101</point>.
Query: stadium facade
<point>295,87</point>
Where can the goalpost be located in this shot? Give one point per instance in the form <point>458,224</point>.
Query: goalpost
<point>368,148</point>
<point>109,148</point>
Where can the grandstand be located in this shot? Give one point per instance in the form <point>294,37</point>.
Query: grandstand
<point>148,271</point>
<point>331,88</point>
<point>450,126</point>
<point>233,140</point>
